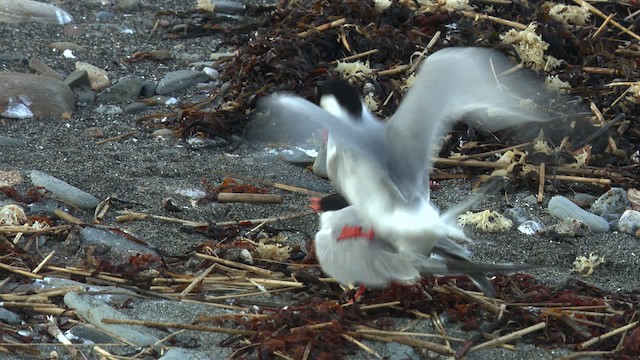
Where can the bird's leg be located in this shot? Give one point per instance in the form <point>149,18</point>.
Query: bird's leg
<point>349,232</point>
<point>356,296</point>
<point>361,290</point>
<point>315,204</point>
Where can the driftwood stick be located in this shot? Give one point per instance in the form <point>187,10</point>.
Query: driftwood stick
<point>602,15</point>
<point>356,56</point>
<point>596,339</point>
<point>509,337</point>
<point>476,16</point>
<point>323,27</point>
<point>541,183</point>
<point>158,324</point>
<point>250,198</point>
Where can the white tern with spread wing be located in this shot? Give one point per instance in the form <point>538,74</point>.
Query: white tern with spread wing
<point>382,167</point>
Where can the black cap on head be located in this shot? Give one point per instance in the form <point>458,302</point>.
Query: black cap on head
<point>333,202</point>
<point>346,95</point>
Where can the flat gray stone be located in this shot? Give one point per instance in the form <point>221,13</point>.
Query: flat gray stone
<point>562,208</point>
<point>64,192</point>
<point>93,310</point>
<point>180,79</point>
<point>127,88</point>
<point>41,96</point>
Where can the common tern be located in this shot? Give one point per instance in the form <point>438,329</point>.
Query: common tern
<point>350,252</point>
<point>382,167</point>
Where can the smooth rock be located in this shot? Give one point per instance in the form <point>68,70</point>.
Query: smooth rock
<point>180,79</point>
<point>98,78</point>
<point>9,317</point>
<point>177,353</point>
<point>84,333</point>
<point>629,222</point>
<point>113,247</point>
<point>108,109</point>
<point>148,89</point>
<point>163,132</point>
<point>93,132</point>
<point>104,16</point>
<point>28,95</point>
<point>47,207</point>
<point>86,96</point>
<point>585,198</point>
<point>6,141</point>
<point>64,192</point>
<point>561,208</point>
<point>92,309</point>
<point>20,11</point>
<point>320,164</point>
<point>135,107</point>
<point>517,214</point>
<point>529,227</point>
<point>14,57</point>
<point>66,45</point>
<point>613,201</point>
<point>127,88</point>
<point>42,68</point>
<point>296,157</point>
<point>399,351</point>
<point>77,78</point>
<point>128,6</point>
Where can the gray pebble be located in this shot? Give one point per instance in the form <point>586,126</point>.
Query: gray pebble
<point>6,141</point>
<point>128,6</point>
<point>529,227</point>
<point>613,201</point>
<point>46,207</point>
<point>229,7</point>
<point>64,192</point>
<point>629,222</point>
<point>108,109</point>
<point>148,89</point>
<point>77,78</point>
<point>177,80</point>
<point>585,198</point>
<point>399,351</point>
<point>135,107</point>
<point>13,57</point>
<point>85,96</point>
<point>92,309</point>
<point>127,88</point>
<point>163,132</point>
<point>39,95</point>
<point>104,16</point>
<point>190,58</point>
<point>561,208</point>
<point>320,165</point>
<point>9,317</point>
<point>517,214</point>
<point>296,157</point>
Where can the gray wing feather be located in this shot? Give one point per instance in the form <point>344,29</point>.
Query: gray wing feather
<point>451,84</point>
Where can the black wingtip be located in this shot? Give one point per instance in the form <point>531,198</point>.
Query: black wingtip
<point>346,95</point>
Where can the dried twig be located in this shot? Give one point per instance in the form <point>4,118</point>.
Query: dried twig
<point>509,337</point>
<point>323,27</point>
<point>158,324</point>
<point>250,198</point>
<point>611,333</point>
<point>117,137</point>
